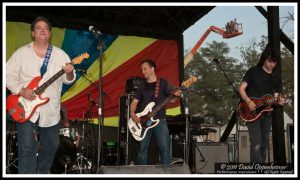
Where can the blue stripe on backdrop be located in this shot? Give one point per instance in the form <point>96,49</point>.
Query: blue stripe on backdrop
<point>77,42</point>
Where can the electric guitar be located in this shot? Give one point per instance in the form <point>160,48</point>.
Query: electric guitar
<point>263,105</point>
<point>139,130</point>
<point>22,109</point>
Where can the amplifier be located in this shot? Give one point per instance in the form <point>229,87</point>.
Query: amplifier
<point>133,83</point>
<point>207,154</point>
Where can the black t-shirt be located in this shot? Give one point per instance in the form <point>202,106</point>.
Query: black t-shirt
<point>260,82</point>
<point>145,95</point>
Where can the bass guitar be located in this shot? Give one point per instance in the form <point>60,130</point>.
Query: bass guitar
<point>139,130</point>
<point>22,109</point>
<point>263,105</point>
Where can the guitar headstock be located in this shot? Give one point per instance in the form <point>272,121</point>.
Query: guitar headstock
<point>283,98</point>
<point>190,81</point>
<point>80,58</point>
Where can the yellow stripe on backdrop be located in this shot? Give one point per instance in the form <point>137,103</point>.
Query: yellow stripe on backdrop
<point>114,120</point>
<point>108,121</point>
<point>19,34</point>
<point>173,111</point>
<point>121,50</point>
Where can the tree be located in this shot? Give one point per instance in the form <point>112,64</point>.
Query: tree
<point>212,98</point>
<point>250,56</point>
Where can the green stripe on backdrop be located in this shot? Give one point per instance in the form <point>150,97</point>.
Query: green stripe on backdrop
<point>19,34</point>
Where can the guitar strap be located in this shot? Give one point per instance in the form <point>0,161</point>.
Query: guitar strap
<point>156,92</point>
<point>46,60</point>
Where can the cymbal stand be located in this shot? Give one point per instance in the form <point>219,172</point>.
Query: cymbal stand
<point>11,161</point>
<point>80,157</point>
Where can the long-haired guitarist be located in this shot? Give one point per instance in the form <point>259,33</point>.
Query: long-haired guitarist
<point>39,58</point>
<point>156,90</point>
<point>257,89</point>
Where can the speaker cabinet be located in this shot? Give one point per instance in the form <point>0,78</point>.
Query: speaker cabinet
<point>133,83</point>
<point>207,154</point>
<point>146,169</point>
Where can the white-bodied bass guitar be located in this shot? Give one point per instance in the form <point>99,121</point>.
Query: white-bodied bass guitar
<point>139,130</point>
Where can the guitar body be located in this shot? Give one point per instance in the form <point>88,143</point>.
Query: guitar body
<point>139,130</point>
<point>262,106</point>
<point>22,109</point>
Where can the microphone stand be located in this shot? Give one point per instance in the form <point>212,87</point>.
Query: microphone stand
<point>237,97</point>
<point>187,132</point>
<point>100,108</point>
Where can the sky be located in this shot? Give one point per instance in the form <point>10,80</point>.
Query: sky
<point>253,22</point>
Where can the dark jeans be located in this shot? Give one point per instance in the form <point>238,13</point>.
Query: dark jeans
<point>161,133</point>
<point>259,135</point>
<point>34,157</point>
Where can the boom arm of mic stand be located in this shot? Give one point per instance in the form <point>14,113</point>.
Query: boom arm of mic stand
<point>235,114</point>
<point>228,81</point>
<point>95,86</point>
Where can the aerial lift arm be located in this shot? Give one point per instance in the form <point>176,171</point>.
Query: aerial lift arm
<point>217,30</point>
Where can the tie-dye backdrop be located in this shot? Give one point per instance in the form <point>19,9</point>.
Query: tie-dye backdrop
<point>121,57</point>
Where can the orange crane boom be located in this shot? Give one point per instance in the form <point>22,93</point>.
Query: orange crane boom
<point>217,30</point>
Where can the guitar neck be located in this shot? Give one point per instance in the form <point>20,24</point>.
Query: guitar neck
<point>168,99</point>
<point>42,88</point>
<point>271,101</point>
<point>157,108</point>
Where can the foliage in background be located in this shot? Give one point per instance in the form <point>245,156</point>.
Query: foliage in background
<point>213,97</point>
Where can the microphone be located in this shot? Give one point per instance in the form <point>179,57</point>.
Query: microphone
<point>90,99</point>
<point>83,71</point>
<point>95,31</point>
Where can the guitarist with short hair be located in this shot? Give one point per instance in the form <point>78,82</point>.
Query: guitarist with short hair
<point>38,58</point>
<point>260,81</point>
<point>155,90</point>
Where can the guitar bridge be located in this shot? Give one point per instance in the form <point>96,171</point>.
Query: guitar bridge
<point>21,115</point>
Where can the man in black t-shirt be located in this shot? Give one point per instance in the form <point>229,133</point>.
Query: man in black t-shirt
<point>156,90</point>
<point>257,82</point>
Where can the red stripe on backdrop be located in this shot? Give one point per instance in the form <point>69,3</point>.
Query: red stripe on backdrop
<point>163,52</point>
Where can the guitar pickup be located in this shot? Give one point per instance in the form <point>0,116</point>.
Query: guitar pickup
<point>137,125</point>
<point>20,105</point>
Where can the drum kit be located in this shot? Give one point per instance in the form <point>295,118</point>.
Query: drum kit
<point>72,156</point>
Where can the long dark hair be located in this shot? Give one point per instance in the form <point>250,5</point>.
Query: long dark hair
<point>267,53</point>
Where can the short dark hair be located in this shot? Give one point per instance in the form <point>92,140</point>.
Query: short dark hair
<point>268,53</point>
<point>150,62</point>
<point>40,18</point>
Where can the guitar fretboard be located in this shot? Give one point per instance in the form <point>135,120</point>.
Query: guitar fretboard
<point>157,108</point>
<point>46,84</point>
<point>42,88</point>
<point>271,101</point>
